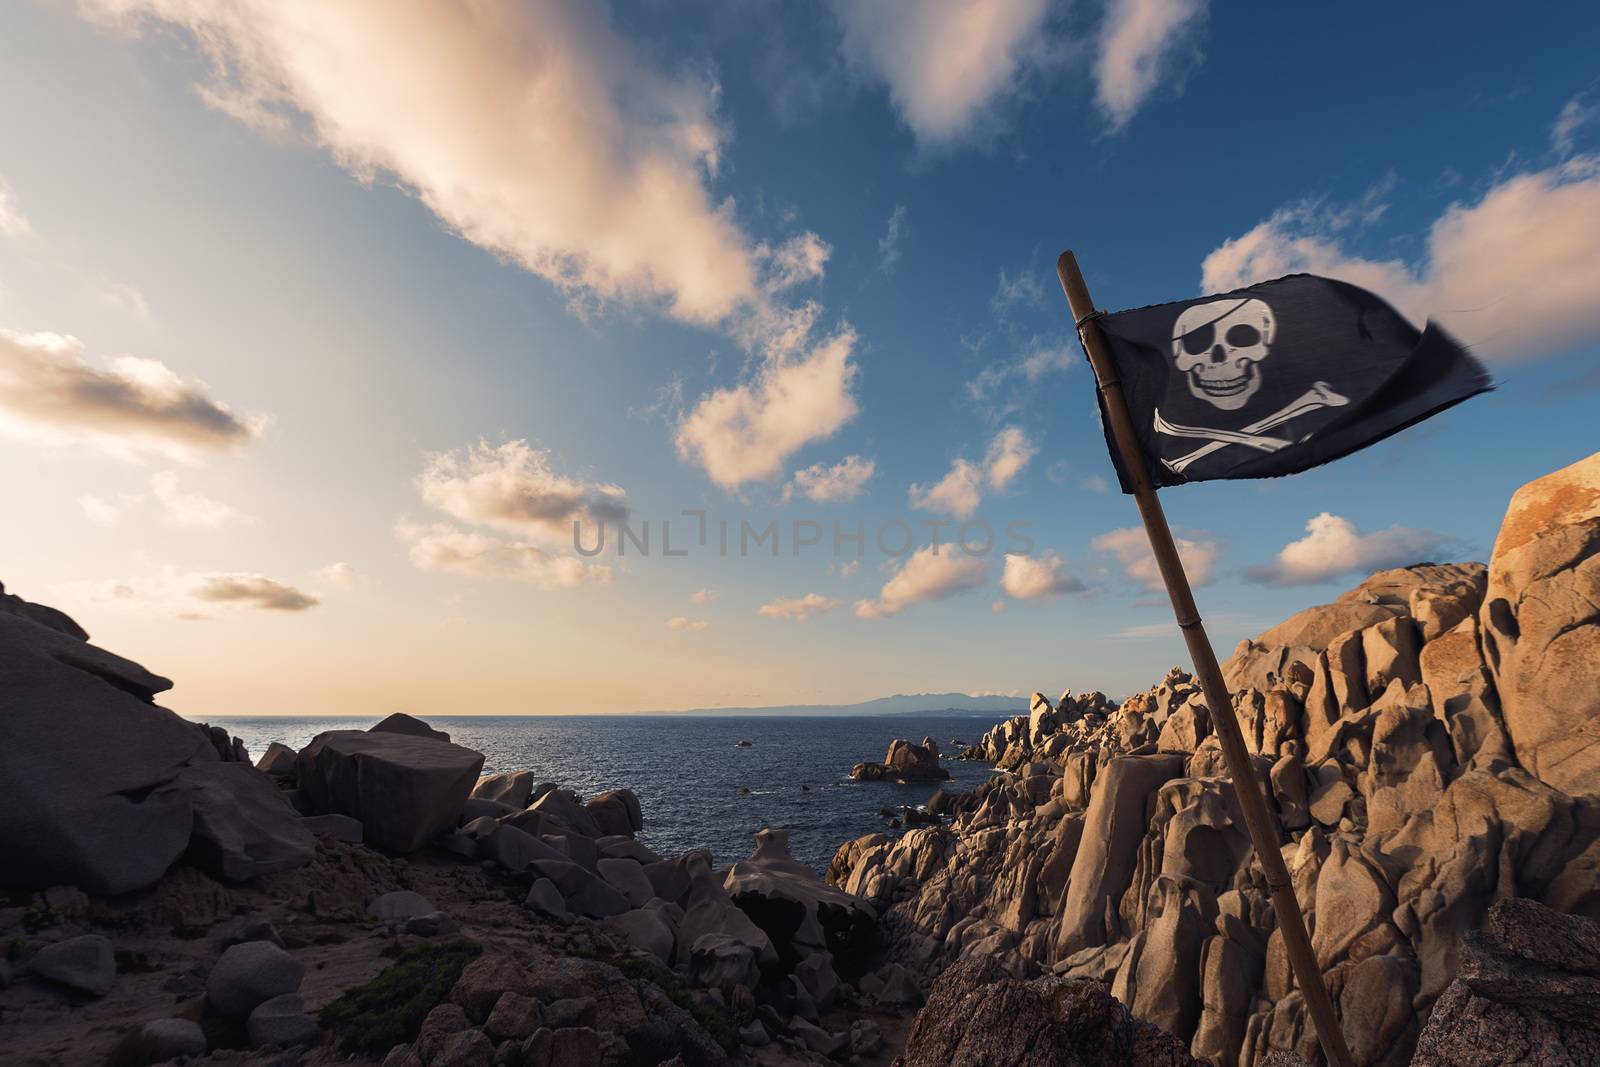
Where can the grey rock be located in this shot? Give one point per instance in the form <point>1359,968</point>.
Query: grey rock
<point>433,924</point>
<point>250,974</point>
<point>282,1021</point>
<point>628,878</point>
<point>583,892</point>
<point>277,760</point>
<point>511,788</point>
<point>543,896</point>
<point>244,826</point>
<point>86,964</point>
<point>401,723</point>
<point>400,904</point>
<point>405,789</point>
<point>160,1040</point>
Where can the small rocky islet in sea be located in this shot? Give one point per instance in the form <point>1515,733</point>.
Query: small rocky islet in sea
<point>1430,742</point>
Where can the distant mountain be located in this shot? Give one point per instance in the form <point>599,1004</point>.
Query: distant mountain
<point>899,704</point>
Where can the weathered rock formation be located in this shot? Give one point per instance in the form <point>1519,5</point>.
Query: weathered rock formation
<point>1527,992</point>
<point>104,790</point>
<point>906,762</point>
<point>978,1016</point>
<point>1429,742</point>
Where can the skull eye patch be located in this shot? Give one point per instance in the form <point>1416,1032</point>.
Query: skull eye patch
<point>1200,339</point>
<point>1243,335</point>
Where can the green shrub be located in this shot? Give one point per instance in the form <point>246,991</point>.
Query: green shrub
<point>389,1010</point>
<point>722,1025</point>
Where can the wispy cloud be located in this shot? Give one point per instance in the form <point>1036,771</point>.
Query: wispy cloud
<point>1131,547</point>
<point>1140,42</point>
<point>174,593</point>
<point>1010,293</point>
<point>746,433</point>
<point>133,408</point>
<point>180,508</point>
<point>704,596</point>
<point>894,235</point>
<point>1333,546</point>
<point>512,486</point>
<point>252,590</point>
<point>947,63</point>
<point>798,608</point>
<point>926,575</point>
<point>828,484</point>
<point>1513,274</point>
<point>339,574</point>
<point>479,555</point>
<point>681,623</point>
<point>1007,457</point>
<point>533,130</point>
<point>957,494</point>
<point>13,223</point>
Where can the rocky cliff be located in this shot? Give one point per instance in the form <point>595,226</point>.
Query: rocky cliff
<point>1431,744</point>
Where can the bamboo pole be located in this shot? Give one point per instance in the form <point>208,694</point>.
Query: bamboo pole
<point>1252,801</point>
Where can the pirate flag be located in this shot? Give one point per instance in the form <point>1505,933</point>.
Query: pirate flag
<point>1276,378</point>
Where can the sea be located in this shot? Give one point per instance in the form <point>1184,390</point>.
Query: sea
<point>696,787</point>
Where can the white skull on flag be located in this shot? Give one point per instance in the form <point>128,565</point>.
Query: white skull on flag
<point>1219,347</point>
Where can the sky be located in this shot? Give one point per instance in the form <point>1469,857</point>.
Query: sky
<point>323,325</point>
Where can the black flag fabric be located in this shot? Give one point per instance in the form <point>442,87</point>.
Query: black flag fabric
<point>1276,378</point>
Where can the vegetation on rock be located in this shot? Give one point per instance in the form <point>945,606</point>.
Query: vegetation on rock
<point>389,1010</point>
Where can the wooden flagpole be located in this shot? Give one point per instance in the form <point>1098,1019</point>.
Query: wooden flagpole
<point>1258,818</point>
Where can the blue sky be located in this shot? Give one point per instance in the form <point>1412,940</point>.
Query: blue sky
<point>428,286</point>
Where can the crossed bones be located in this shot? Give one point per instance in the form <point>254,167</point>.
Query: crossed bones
<point>1318,396</point>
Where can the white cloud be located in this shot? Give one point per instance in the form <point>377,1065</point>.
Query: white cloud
<point>50,394</point>
<point>1014,377</point>
<point>894,236</point>
<point>947,63</point>
<point>340,574</point>
<point>179,508</point>
<point>13,223</point>
<point>747,432</point>
<point>1138,42</point>
<point>251,590</point>
<point>704,596</point>
<point>1024,290</point>
<point>480,555</point>
<point>1131,546</point>
<point>826,484</point>
<point>1008,454</point>
<point>681,623</point>
<point>100,511</point>
<point>927,575</point>
<point>512,486</point>
<point>128,299</point>
<point>1095,484</point>
<point>173,593</point>
<point>798,608</point>
<point>1514,274</point>
<point>1576,113</point>
<point>1333,546</point>
<point>1037,577</point>
<point>532,130</point>
<point>957,494</point>
<point>798,260</point>
<point>849,567</point>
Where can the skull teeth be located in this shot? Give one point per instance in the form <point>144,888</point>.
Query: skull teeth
<point>1222,386</point>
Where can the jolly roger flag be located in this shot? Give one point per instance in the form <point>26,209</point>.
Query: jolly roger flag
<point>1276,378</point>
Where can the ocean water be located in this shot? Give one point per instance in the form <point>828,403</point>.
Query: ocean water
<point>689,774</point>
